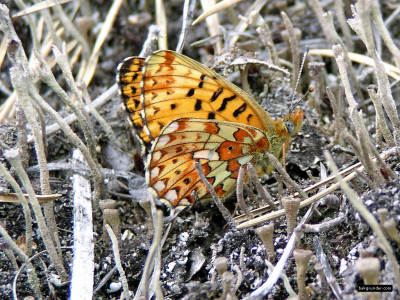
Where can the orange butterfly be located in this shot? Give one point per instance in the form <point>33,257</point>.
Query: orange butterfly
<point>184,112</point>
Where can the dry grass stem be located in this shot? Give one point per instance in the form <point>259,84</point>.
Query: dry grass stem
<point>90,68</point>
<point>12,157</point>
<point>265,35</point>
<point>47,77</point>
<point>293,41</point>
<point>382,129</point>
<point>154,251</point>
<point>327,23</point>
<point>213,24</point>
<point>262,192</point>
<point>117,258</point>
<point>239,193</point>
<point>255,7</point>
<point>188,12</point>
<point>83,259</point>
<point>337,112</point>
<point>344,27</point>
<point>72,30</point>
<point>390,70</point>
<point>98,102</point>
<point>161,21</point>
<point>328,274</point>
<point>289,181</point>
<point>99,118</point>
<point>285,279</point>
<point>39,6</point>
<point>14,198</point>
<point>215,8</point>
<point>317,228</point>
<point>224,211</point>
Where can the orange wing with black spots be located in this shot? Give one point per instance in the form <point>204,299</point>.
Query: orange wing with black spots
<point>168,86</point>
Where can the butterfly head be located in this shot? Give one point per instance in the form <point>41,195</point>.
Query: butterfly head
<point>293,122</point>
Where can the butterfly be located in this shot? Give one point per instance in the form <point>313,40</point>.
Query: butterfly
<point>183,112</point>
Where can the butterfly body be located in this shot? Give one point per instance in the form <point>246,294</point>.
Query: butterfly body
<point>184,112</point>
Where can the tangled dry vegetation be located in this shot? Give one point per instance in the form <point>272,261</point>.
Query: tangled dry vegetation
<point>77,220</point>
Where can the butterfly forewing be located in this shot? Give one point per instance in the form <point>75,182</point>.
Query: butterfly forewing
<point>220,147</point>
<point>175,86</point>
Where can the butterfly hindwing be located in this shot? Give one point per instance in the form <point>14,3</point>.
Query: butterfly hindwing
<point>220,147</point>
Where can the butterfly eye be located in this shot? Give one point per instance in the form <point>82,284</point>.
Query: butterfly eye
<point>289,126</point>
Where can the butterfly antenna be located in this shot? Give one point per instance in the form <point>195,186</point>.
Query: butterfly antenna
<point>298,77</point>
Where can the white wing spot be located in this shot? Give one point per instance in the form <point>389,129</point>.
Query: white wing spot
<point>171,195</point>
<point>159,186</point>
<point>163,140</point>
<point>172,127</point>
<point>184,201</point>
<point>156,156</point>
<point>206,154</point>
<point>154,172</point>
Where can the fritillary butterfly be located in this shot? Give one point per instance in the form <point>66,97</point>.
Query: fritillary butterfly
<point>184,112</point>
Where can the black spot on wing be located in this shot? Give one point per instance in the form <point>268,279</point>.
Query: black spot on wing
<point>134,77</point>
<point>225,102</point>
<point>161,125</point>
<point>241,109</point>
<point>198,104</point>
<point>190,92</point>
<point>216,94</point>
<point>211,116</point>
